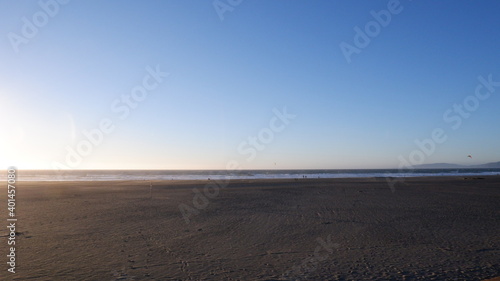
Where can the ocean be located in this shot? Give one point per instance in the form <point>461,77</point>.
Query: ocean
<point>113,175</point>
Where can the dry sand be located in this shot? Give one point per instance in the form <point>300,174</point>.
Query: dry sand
<point>310,229</point>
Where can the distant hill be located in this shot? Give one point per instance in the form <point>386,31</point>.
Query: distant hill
<point>456,166</point>
<point>489,165</point>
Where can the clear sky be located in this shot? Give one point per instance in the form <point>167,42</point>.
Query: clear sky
<point>66,68</point>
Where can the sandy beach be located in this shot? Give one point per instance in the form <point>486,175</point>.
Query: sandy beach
<point>439,228</point>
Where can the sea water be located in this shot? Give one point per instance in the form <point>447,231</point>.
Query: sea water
<point>113,175</point>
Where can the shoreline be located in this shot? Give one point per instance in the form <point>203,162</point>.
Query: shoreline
<point>193,175</point>
<point>270,180</point>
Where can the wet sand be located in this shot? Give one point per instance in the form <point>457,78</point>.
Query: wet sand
<point>439,228</point>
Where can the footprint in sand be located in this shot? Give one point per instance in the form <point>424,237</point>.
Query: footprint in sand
<point>121,275</point>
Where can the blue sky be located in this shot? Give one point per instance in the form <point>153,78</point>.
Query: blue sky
<point>227,75</point>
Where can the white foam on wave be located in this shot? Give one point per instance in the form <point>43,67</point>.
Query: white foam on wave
<point>233,176</point>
